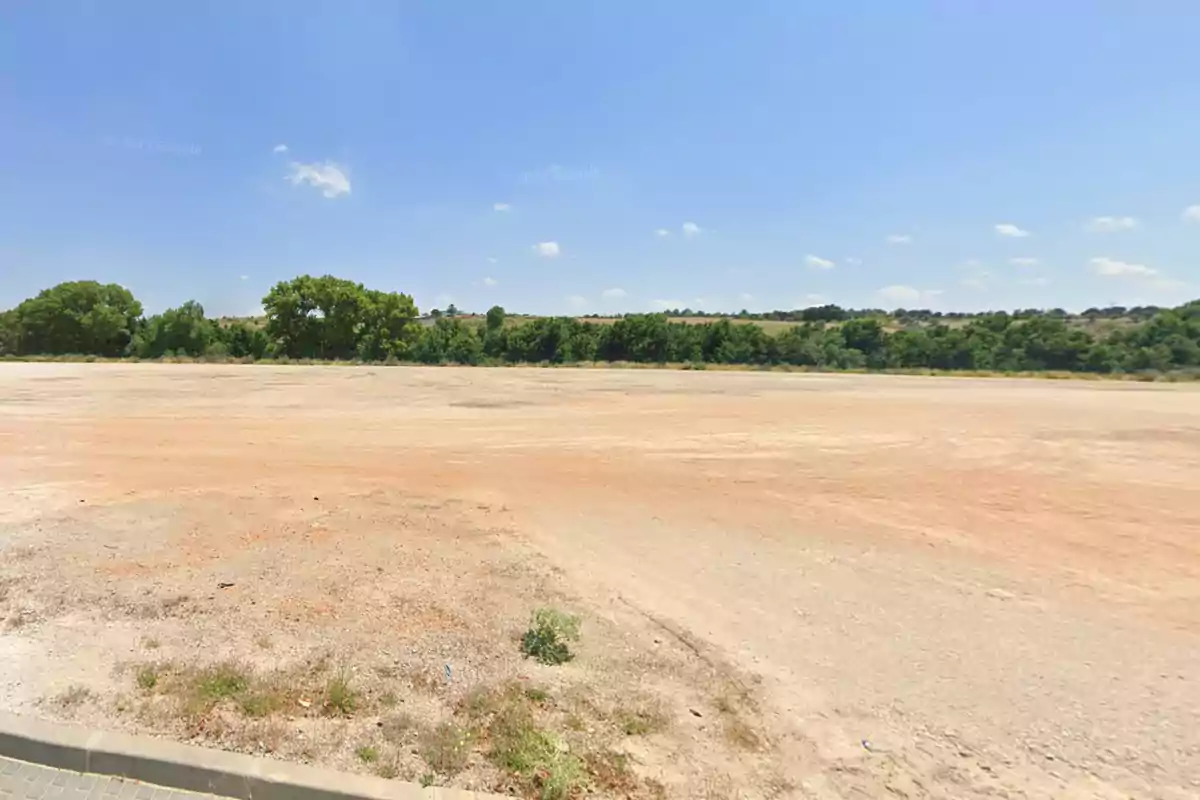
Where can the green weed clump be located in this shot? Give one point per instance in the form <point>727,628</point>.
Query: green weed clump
<point>550,632</point>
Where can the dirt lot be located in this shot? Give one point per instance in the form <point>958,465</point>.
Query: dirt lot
<point>790,585</point>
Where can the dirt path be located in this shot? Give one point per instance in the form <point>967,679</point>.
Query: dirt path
<point>940,587</point>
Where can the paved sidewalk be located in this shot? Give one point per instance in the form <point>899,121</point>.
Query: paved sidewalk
<point>22,781</point>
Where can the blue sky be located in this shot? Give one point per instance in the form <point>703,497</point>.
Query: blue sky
<point>570,156</point>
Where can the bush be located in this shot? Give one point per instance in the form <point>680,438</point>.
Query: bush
<point>547,639</point>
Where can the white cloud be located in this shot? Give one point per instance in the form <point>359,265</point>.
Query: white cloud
<point>661,232</point>
<point>690,229</point>
<point>614,292</point>
<point>1040,281</point>
<point>899,293</point>
<point>1191,214</point>
<point>1111,224</point>
<point>746,297</point>
<point>328,177</point>
<point>243,277</point>
<point>547,249</point>
<point>1010,230</point>
<point>279,148</point>
<point>899,238</point>
<point>501,207</point>
<point>492,259</point>
<point>852,261</point>
<point>576,300</point>
<point>1112,268</point>
<point>816,262</point>
<point>490,281</point>
<point>1023,261</point>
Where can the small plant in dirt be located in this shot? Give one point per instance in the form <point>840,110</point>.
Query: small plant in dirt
<point>367,754</point>
<point>446,749</point>
<point>397,727</point>
<point>641,721</point>
<point>544,765</point>
<point>147,677</point>
<point>536,695</point>
<point>550,632</point>
<point>73,697</point>
<point>340,697</point>
<point>222,681</point>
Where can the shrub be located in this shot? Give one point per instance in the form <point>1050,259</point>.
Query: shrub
<point>547,639</point>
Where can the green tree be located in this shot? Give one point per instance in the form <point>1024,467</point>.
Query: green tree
<point>178,331</point>
<point>495,318</point>
<point>81,317</point>
<point>9,335</point>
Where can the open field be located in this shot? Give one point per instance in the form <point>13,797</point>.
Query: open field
<point>790,585</point>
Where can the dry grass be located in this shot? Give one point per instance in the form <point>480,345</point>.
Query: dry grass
<point>446,749</point>
<point>74,697</point>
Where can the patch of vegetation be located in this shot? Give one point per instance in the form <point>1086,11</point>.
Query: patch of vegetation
<point>367,754</point>
<point>741,735</point>
<point>610,771</point>
<point>221,681</point>
<point>550,632</point>
<point>398,727</point>
<point>74,697</point>
<point>341,699</point>
<point>147,677</point>
<point>150,643</point>
<point>641,721</point>
<point>537,695</point>
<point>543,763</point>
<point>446,749</point>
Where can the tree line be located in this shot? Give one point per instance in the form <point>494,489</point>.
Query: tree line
<point>328,318</point>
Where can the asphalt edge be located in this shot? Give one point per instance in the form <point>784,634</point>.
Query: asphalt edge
<point>196,769</point>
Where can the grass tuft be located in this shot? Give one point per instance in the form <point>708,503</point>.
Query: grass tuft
<point>446,749</point>
<point>367,754</point>
<point>340,697</point>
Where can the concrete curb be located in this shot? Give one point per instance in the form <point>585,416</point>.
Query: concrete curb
<point>197,769</point>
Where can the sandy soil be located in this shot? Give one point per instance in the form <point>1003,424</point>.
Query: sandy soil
<point>913,587</point>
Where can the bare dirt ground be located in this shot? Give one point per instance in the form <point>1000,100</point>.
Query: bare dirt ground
<point>790,585</point>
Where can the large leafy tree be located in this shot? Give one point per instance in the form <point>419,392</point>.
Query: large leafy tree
<point>333,318</point>
<point>84,317</point>
<point>180,331</point>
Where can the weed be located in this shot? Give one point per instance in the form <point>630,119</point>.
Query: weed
<point>389,769</point>
<point>388,699</point>
<point>535,756</point>
<point>446,748</point>
<point>150,643</point>
<point>537,695</point>
<point>428,780</point>
<point>641,721</point>
<point>397,727</point>
<point>739,734</point>
<point>221,681</point>
<point>147,677</point>
<point>340,698</point>
<point>261,701</point>
<point>73,697</point>
<point>610,771</point>
<point>367,754</point>
<point>548,636</point>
